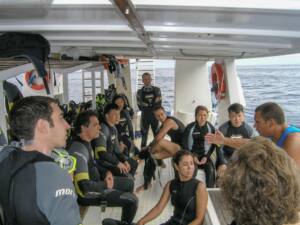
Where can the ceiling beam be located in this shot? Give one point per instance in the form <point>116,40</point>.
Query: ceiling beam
<point>127,11</point>
<point>225,30</point>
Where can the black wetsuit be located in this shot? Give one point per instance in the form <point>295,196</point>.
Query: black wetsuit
<point>125,131</point>
<point>183,198</point>
<point>146,101</point>
<point>176,135</point>
<point>244,131</point>
<point>88,180</point>
<point>35,190</point>
<point>107,151</point>
<point>194,141</point>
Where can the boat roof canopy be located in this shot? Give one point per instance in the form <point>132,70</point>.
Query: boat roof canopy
<point>168,29</point>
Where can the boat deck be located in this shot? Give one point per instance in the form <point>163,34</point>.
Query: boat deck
<point>217,213</point>
<point>147,199</point>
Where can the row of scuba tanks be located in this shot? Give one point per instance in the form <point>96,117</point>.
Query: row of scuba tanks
<point>72,109</point>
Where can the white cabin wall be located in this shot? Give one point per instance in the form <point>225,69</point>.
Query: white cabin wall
<point>120,89</point>
<point>234,91</point>
<point>191,88</point>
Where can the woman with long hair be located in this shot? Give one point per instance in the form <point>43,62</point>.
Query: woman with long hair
<point>188,195</point>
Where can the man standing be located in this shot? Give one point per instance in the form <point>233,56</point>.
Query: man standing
<point>147,98</point>
<point>269,122</point>
<point>34,189</point>
<point>235,127</point>
<point>114,190</point>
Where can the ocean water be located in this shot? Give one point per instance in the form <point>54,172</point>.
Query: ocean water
<point>279,83</point>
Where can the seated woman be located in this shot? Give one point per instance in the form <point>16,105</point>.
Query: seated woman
<point>125,127</point>
<point>193,140</point>
<point>188,195</point>
<point>261,185</point>
<point>171,126</point>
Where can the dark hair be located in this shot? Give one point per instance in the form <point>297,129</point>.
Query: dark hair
<point>262,178</point>
<point>117,97</point>
<point>271,110</point>
<point>180,154</point>
<point>26,112</point>
<point>236,108</point>
<point>83,119</point>
<point>110,107</point>
<point>158,107</point>
<point>146,74</point>
<point>200,108</point>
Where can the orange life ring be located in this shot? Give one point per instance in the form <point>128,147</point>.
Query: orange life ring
<point>30,76</point>
<point>218,81</point>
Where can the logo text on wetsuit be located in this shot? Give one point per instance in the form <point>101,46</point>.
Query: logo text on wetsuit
<point>64,191</point>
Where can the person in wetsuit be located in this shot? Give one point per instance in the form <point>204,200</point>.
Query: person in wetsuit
<point>34,189</point>
<point>188,195</point>
<point>171,126</point>
<point>236,127</point>
<point>107,147</point>
<point>269,122</point>
<point>93,187</point>
<point>147,98</point>
<point>161,148</point>
<point>193,140</point>
<point>125,127</point>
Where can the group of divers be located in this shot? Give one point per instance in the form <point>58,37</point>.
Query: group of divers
<point>40,184</point>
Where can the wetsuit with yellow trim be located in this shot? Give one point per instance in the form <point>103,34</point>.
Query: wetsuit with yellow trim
<point>108,153</point>
<point>88,180</point>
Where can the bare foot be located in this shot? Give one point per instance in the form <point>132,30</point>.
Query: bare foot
<point>141,188</point>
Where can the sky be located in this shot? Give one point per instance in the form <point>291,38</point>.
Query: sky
<point>274,60</point>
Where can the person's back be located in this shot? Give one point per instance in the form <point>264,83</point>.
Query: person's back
<point>34,189</point>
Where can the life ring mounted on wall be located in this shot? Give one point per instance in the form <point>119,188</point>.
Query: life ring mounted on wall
<point>218,81</point>
<point>31,79</point>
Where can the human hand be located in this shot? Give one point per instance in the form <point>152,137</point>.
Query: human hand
<point>217,138</point>
<point>203,161</point>
<point>122,167</point>
<point>221,170</point>
<point>109,180</point>
<point>127,166</point>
